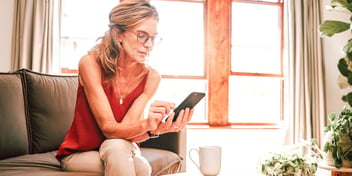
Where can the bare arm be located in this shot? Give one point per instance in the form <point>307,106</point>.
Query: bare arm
<point>157,110</point>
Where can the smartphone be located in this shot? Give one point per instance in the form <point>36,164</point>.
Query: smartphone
<point>189,102</point>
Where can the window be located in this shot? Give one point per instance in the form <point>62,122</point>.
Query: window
<point>182,49</point>
<point>81,25</point>
<point>256,80</point>
<point>232,50</point>
<point>180,56</point>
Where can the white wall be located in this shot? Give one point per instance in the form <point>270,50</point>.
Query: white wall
<point>332,51</point>
<point>6,18</point>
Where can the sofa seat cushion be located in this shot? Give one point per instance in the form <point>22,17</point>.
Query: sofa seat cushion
<point>28,171</point>
<point>42,164</point>
<point>162,161</point>
<point>46,164</point>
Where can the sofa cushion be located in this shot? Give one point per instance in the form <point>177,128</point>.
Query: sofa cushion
<point>43,164</point>
<point>14,138</point>
<point>162,162</point>
<point>51,101</point>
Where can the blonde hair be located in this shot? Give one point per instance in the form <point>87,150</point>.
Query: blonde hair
<point>122,17</point>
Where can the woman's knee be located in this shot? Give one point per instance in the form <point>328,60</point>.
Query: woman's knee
<point>119,152</point>
<point>116,147</point>
<point>116,144</point>
<point>142,166</point>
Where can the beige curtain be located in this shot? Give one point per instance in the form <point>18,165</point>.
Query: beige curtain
<point>306,108</point>
<point>33,34</point>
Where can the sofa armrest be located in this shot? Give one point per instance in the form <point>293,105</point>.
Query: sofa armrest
<point>175,142</point>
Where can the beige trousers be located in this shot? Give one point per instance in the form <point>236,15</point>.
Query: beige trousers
<point>116,157</point>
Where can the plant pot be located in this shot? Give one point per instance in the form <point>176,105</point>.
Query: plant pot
<point>347,164</point>
<point>328,159</point>
<point>346,145</point>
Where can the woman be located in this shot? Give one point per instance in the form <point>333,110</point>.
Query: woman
<point>114,88</point>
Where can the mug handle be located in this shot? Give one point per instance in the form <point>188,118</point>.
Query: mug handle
<point>190,156</point>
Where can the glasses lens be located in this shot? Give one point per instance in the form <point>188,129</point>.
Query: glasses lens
<point>142,37</point>
<point>157,40</point>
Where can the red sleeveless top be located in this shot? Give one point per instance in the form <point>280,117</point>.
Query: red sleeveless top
<point>85,133</point>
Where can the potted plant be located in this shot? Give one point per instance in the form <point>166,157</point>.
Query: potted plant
<point>290,162</point>
<point>338,133</point>
<point>338,142</point>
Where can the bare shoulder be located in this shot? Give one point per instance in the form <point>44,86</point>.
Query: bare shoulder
<point>153,81</point>
<point>88,60</point>
<point>154,76</point>
<point>89,69</point>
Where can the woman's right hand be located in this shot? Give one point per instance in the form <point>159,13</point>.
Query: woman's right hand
<point>157,112</point>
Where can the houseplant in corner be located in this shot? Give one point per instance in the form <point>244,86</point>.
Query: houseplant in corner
<point>338,143</point>
<point>338,133</point>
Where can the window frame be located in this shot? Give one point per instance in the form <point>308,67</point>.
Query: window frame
<point>218,57</point>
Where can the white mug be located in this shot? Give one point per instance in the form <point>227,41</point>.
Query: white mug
<point>209,159</point>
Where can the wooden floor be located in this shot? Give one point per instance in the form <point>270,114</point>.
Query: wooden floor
<point>241,148</point>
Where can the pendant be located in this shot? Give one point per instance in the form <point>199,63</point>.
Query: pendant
<point>121,100</point>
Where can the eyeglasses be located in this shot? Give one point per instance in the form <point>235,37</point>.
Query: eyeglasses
<point>143,37</point>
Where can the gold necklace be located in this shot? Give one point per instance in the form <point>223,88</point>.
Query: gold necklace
<point>132,78</point>
<point>119,90</point>
<point>121,99</point>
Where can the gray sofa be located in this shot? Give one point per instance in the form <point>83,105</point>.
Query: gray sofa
<point>36,110</point>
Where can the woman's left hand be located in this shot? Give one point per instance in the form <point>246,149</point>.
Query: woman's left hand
<point>183,118</point>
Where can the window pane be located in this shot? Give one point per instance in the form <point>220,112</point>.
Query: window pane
<point>80,28</point>
<point>254,99</point>
<point>256,38</point>
<point>176,90</point>
<point>182,49</point>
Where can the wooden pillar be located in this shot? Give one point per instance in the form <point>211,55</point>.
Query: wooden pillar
<point>218,58</point>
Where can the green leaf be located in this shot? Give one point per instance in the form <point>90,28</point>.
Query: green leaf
<point>331,27</point>
<point>349,79</point>
<point>332,117</point>
<point>347,48</point>
<point>344,4</point>
<point>349,98</point>
<point>326,147</point>
<point>348,156</point>
<point>344,98</point>
<point>348,54</point>
<point>343,67</point>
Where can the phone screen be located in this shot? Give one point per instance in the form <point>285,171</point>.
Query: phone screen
<point>189,102</point>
